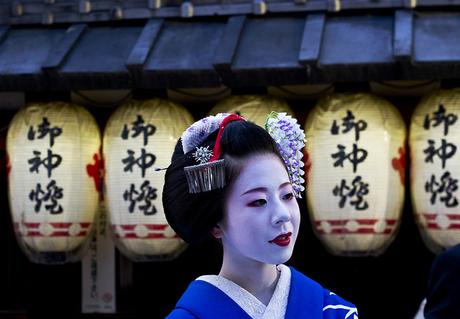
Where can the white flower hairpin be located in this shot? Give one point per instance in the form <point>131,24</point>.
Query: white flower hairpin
<point>289,138</point>
<point>200,130</point>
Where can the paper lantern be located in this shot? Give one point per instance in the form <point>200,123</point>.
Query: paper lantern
<point>355,159</point>
<point>140,137</point>
<point>53,149</point>
<point>254,108</point>
<point>435,168</point>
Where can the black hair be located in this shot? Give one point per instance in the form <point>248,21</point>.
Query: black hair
<point>192,216</point>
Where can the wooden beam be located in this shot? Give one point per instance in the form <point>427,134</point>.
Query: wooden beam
<point>16,12</point>
<point>59,53</point>
<point>144,44</point>
<point>403,35</point>
<point>229,43</point>
<point>310,47</point>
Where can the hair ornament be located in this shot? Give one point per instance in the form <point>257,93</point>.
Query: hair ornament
<point>290,139</point>
<point>205,177</point>
<point>200,130</point>
<point>202,154</point>
<point>210,173</point>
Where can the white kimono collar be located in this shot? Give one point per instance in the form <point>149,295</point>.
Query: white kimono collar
<point>275,309</point>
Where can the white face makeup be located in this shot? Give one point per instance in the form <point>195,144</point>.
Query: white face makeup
<point>262,217</point>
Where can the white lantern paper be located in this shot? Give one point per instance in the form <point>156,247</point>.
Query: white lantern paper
<point>140,137</point>
<point>254,108</point>
<point>435,168</point>
<point>355,162</point>
<point>54,153</point>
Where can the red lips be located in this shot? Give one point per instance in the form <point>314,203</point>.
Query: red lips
<point>282,240</point>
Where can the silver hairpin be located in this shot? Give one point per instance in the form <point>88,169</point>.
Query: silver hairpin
<point>202,154</point>
<point>205,177</point>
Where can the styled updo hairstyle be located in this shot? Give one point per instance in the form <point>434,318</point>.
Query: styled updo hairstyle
<point>192,216</point>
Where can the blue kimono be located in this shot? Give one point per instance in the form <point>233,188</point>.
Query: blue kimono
<point>307,300</point>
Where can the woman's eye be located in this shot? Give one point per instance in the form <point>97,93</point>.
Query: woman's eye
<point>257,203</point>
<point>288,196</point>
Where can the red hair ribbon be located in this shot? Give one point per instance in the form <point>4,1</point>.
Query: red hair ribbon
<point>217,150</point>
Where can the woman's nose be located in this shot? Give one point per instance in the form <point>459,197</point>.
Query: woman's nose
<point>281,214</point>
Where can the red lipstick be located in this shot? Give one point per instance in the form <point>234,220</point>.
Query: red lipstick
<point>282,240</point>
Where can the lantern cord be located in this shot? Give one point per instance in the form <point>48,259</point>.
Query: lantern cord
<point>94,102</point>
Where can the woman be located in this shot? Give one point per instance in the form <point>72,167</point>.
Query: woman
<point>243,194</point>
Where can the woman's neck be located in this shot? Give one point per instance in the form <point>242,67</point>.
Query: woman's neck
<point>259,279</point>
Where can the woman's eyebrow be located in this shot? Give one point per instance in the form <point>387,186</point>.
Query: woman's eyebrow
<point>284,184</point>
<point>257,189</point>
<point>263,189</point>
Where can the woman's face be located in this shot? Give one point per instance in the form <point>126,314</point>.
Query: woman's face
<point>261,218</point>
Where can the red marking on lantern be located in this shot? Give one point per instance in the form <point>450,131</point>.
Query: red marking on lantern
<point>154,231</point>
<point>359,231</point>
<point>96,172</point>
<point>149,236</point>
<point>399,164</point>
<point>338,226</point>
<point>55,234</point>
<point>6,164</point>
<point>431,223</point>
<point>307,163</point>
<point>29,226</point>
<point>436,226</point>
<point>107,297</point>
<point>361,221</point>
<point>148,226</point>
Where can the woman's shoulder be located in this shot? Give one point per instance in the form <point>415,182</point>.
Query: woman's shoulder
<point>203,300</point>
<point>332,305</point>
<point>179,313</point>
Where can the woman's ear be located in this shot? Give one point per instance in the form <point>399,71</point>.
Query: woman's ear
<point>216,232</point>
